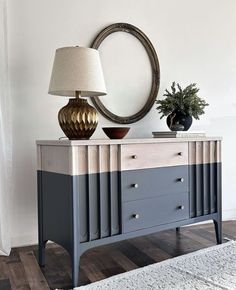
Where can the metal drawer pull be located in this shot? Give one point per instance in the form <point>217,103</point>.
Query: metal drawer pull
<point>135,185</point>
<point>181,207</point>
<point>134,156</point>
<point>136,216</point>
<point>180,153</point>
<point>181,179</point>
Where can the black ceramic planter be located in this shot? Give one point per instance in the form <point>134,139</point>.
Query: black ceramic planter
<point>178,118</point>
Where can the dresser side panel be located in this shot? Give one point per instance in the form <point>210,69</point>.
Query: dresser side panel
<point>56,159</point>
<point>56,197</point>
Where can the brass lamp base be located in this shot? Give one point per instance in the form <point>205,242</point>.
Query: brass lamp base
<point>78,120</point>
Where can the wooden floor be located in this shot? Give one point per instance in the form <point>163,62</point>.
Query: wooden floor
<point>21,271</point>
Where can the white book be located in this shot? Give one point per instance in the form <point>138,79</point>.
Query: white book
<point>178,134</point>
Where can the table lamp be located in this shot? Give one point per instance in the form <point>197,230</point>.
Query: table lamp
<point>77,72</point>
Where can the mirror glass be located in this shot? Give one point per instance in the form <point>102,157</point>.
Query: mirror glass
<point>127,72</point>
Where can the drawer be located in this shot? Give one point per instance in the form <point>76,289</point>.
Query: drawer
<point>139,156</point>
<point>141,214</point>
<point>152,182</point>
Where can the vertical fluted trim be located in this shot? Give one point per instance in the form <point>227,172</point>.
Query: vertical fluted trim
<point>204,160</point>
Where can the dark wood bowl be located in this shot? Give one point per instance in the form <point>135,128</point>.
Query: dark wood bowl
<point>116,132</point>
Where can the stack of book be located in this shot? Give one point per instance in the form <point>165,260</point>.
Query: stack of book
<point>178,134</point>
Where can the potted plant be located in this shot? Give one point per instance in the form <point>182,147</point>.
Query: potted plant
<point>180,105</point>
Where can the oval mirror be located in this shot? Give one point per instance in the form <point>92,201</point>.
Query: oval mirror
<point>131,71</point>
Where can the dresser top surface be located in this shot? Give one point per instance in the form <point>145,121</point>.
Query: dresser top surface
<point>66,142</point>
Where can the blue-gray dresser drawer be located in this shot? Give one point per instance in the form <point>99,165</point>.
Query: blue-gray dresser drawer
<point>141,214</point>
<point>145,183</point>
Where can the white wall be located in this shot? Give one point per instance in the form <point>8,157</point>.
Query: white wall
<point>195,41</point>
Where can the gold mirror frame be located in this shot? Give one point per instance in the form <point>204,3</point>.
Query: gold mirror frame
<point>125,27</point>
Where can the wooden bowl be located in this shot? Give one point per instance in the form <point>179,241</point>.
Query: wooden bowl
<point>116,132</point>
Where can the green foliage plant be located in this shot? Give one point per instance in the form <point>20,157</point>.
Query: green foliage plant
<point>184,100</point>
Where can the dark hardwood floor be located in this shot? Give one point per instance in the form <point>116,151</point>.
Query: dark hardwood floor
<point>21,271</point>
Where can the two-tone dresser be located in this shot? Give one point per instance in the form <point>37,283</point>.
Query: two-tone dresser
<point>95,192</point>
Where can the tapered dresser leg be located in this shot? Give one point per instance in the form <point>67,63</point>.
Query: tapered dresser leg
<point>218,231</point>
<point>41,241</point>
<point>75,270</point>
<point>41,253</point>
<point>75,253</point>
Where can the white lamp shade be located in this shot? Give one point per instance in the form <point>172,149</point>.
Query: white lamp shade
<point>77,69</point>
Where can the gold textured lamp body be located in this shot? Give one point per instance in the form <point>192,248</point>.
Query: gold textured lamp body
<point>78,120</point>
<point>77,72</point>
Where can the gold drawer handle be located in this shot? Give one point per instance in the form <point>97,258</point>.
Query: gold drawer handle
<point>134,156</point>
<point>181,207</point>
<point>135,185</point>
<point>181,179</point>
<point>136,216</point>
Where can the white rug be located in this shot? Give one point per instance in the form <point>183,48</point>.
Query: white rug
<point>211,268</point>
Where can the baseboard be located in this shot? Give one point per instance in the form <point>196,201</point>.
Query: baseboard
<point>229,214</point>
<point>22,241</point>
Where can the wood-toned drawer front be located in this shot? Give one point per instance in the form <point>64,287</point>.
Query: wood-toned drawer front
<point>145,183</point>
<point>141,214</point>
<point>139,156</point>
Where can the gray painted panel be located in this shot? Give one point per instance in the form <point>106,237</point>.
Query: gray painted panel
<point>192,188</point>
<point>153,182</point>
<point>213,191</point>
<point>83,208</point>
<point>219,190</point>
<point>56,196</point>
<point>99,214</point>
<point>206,189</point>
<point>203,189</point>
<point>93,207</point>
<point>104,205</point>
<point>115,210</point>
<point>199,190</point>
<point>155,211</point>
